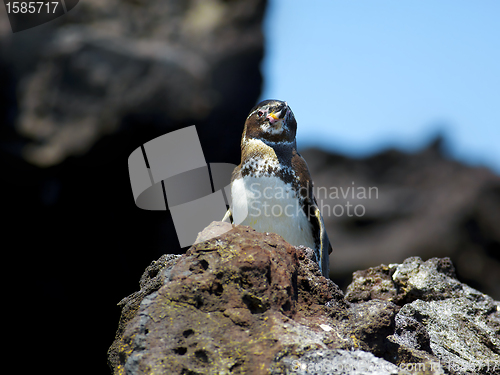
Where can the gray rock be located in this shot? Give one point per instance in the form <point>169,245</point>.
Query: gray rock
<point>439,315</point>
<point>463,333</point>
<point>402,283</point>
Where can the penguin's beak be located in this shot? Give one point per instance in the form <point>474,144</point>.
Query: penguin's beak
<point>274,115</point>
<point>279,114</point>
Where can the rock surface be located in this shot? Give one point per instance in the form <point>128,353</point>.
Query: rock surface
<point>439,315</point>
<point>249,302</point>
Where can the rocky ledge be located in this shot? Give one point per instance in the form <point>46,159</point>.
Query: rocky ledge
<point>249,302</point>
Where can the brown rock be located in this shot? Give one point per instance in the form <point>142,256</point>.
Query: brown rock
<point>249,302</point>
<point>231,303</point>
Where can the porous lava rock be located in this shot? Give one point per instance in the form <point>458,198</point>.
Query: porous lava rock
<point>249,302</point>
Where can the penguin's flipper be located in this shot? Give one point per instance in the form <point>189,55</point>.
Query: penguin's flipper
<point>324,247</point>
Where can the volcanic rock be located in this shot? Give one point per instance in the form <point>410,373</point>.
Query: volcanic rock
<point>249,302</point>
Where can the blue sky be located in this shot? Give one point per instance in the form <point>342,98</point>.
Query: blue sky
<point>364,75</point>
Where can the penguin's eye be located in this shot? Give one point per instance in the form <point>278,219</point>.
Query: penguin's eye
<point>260,113</point>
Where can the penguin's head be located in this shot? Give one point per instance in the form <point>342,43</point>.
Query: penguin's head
<point>272,121</point>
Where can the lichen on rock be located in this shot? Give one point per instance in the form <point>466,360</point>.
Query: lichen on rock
<point>249,302</point>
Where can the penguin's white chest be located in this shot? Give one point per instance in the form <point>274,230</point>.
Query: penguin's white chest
<point>267,204</point>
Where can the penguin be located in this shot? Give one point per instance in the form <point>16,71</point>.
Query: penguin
<point>272,189</point>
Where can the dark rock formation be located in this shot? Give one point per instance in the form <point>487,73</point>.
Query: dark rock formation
<point>424,204</point>
<point>78,95</point>
<point>109,68</point>
<point>249,302</point>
